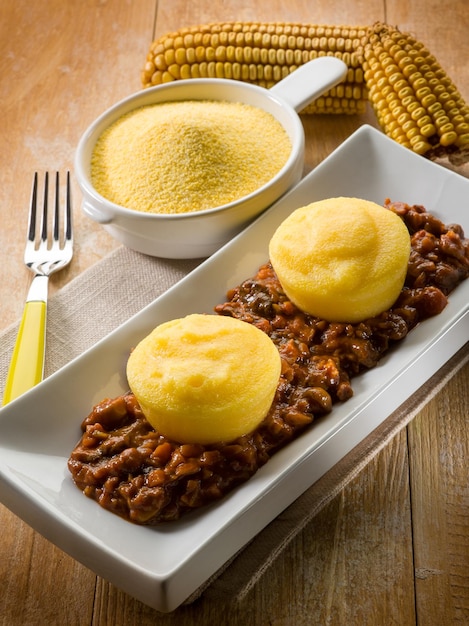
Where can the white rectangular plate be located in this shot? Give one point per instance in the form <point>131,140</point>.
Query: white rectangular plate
<point>162,566</point>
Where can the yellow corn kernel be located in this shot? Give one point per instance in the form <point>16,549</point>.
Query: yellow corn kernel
<point>448,138</point>
<point>428,130</point>
<point>463,140</point>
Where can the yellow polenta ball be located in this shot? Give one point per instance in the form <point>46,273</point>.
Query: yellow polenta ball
<point>204,378</point>
<point>341,259</point>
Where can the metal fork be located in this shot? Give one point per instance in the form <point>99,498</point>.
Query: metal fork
<point>49,254</point>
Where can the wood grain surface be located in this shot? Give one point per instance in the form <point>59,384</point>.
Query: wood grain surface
<point>393,546</point>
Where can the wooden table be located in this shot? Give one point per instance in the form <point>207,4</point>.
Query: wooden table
<point>392,547</point>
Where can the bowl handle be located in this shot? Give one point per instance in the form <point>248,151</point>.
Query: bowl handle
<point>309,81</point>
<point>95,214</point>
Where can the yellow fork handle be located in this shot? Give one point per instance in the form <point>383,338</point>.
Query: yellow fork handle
<point>27,362</point>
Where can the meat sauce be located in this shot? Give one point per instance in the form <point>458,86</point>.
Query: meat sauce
<point>137,473</point>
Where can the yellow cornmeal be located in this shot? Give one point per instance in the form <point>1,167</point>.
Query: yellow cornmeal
<point>179,157</point>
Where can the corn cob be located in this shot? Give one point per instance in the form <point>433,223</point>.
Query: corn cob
<point>414,100</point>
<point>261,54</point>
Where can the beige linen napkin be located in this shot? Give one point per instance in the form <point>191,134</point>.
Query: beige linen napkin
<point>106,295</point>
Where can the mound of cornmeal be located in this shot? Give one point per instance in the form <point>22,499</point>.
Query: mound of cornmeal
<point>341,259</point>
<point>185,156</point>
<point>204,378</point>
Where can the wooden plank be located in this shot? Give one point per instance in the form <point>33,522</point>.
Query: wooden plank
<point>40,584</point>
<point>174,14</point>
<point>439,449</point>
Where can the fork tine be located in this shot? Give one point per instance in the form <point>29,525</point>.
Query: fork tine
<point>55,226</point>
<point>33,211</point>
<point>45,208</point>
<point>68,211</point>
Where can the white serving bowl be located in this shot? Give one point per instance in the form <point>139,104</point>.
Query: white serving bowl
<point>199,234</point>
